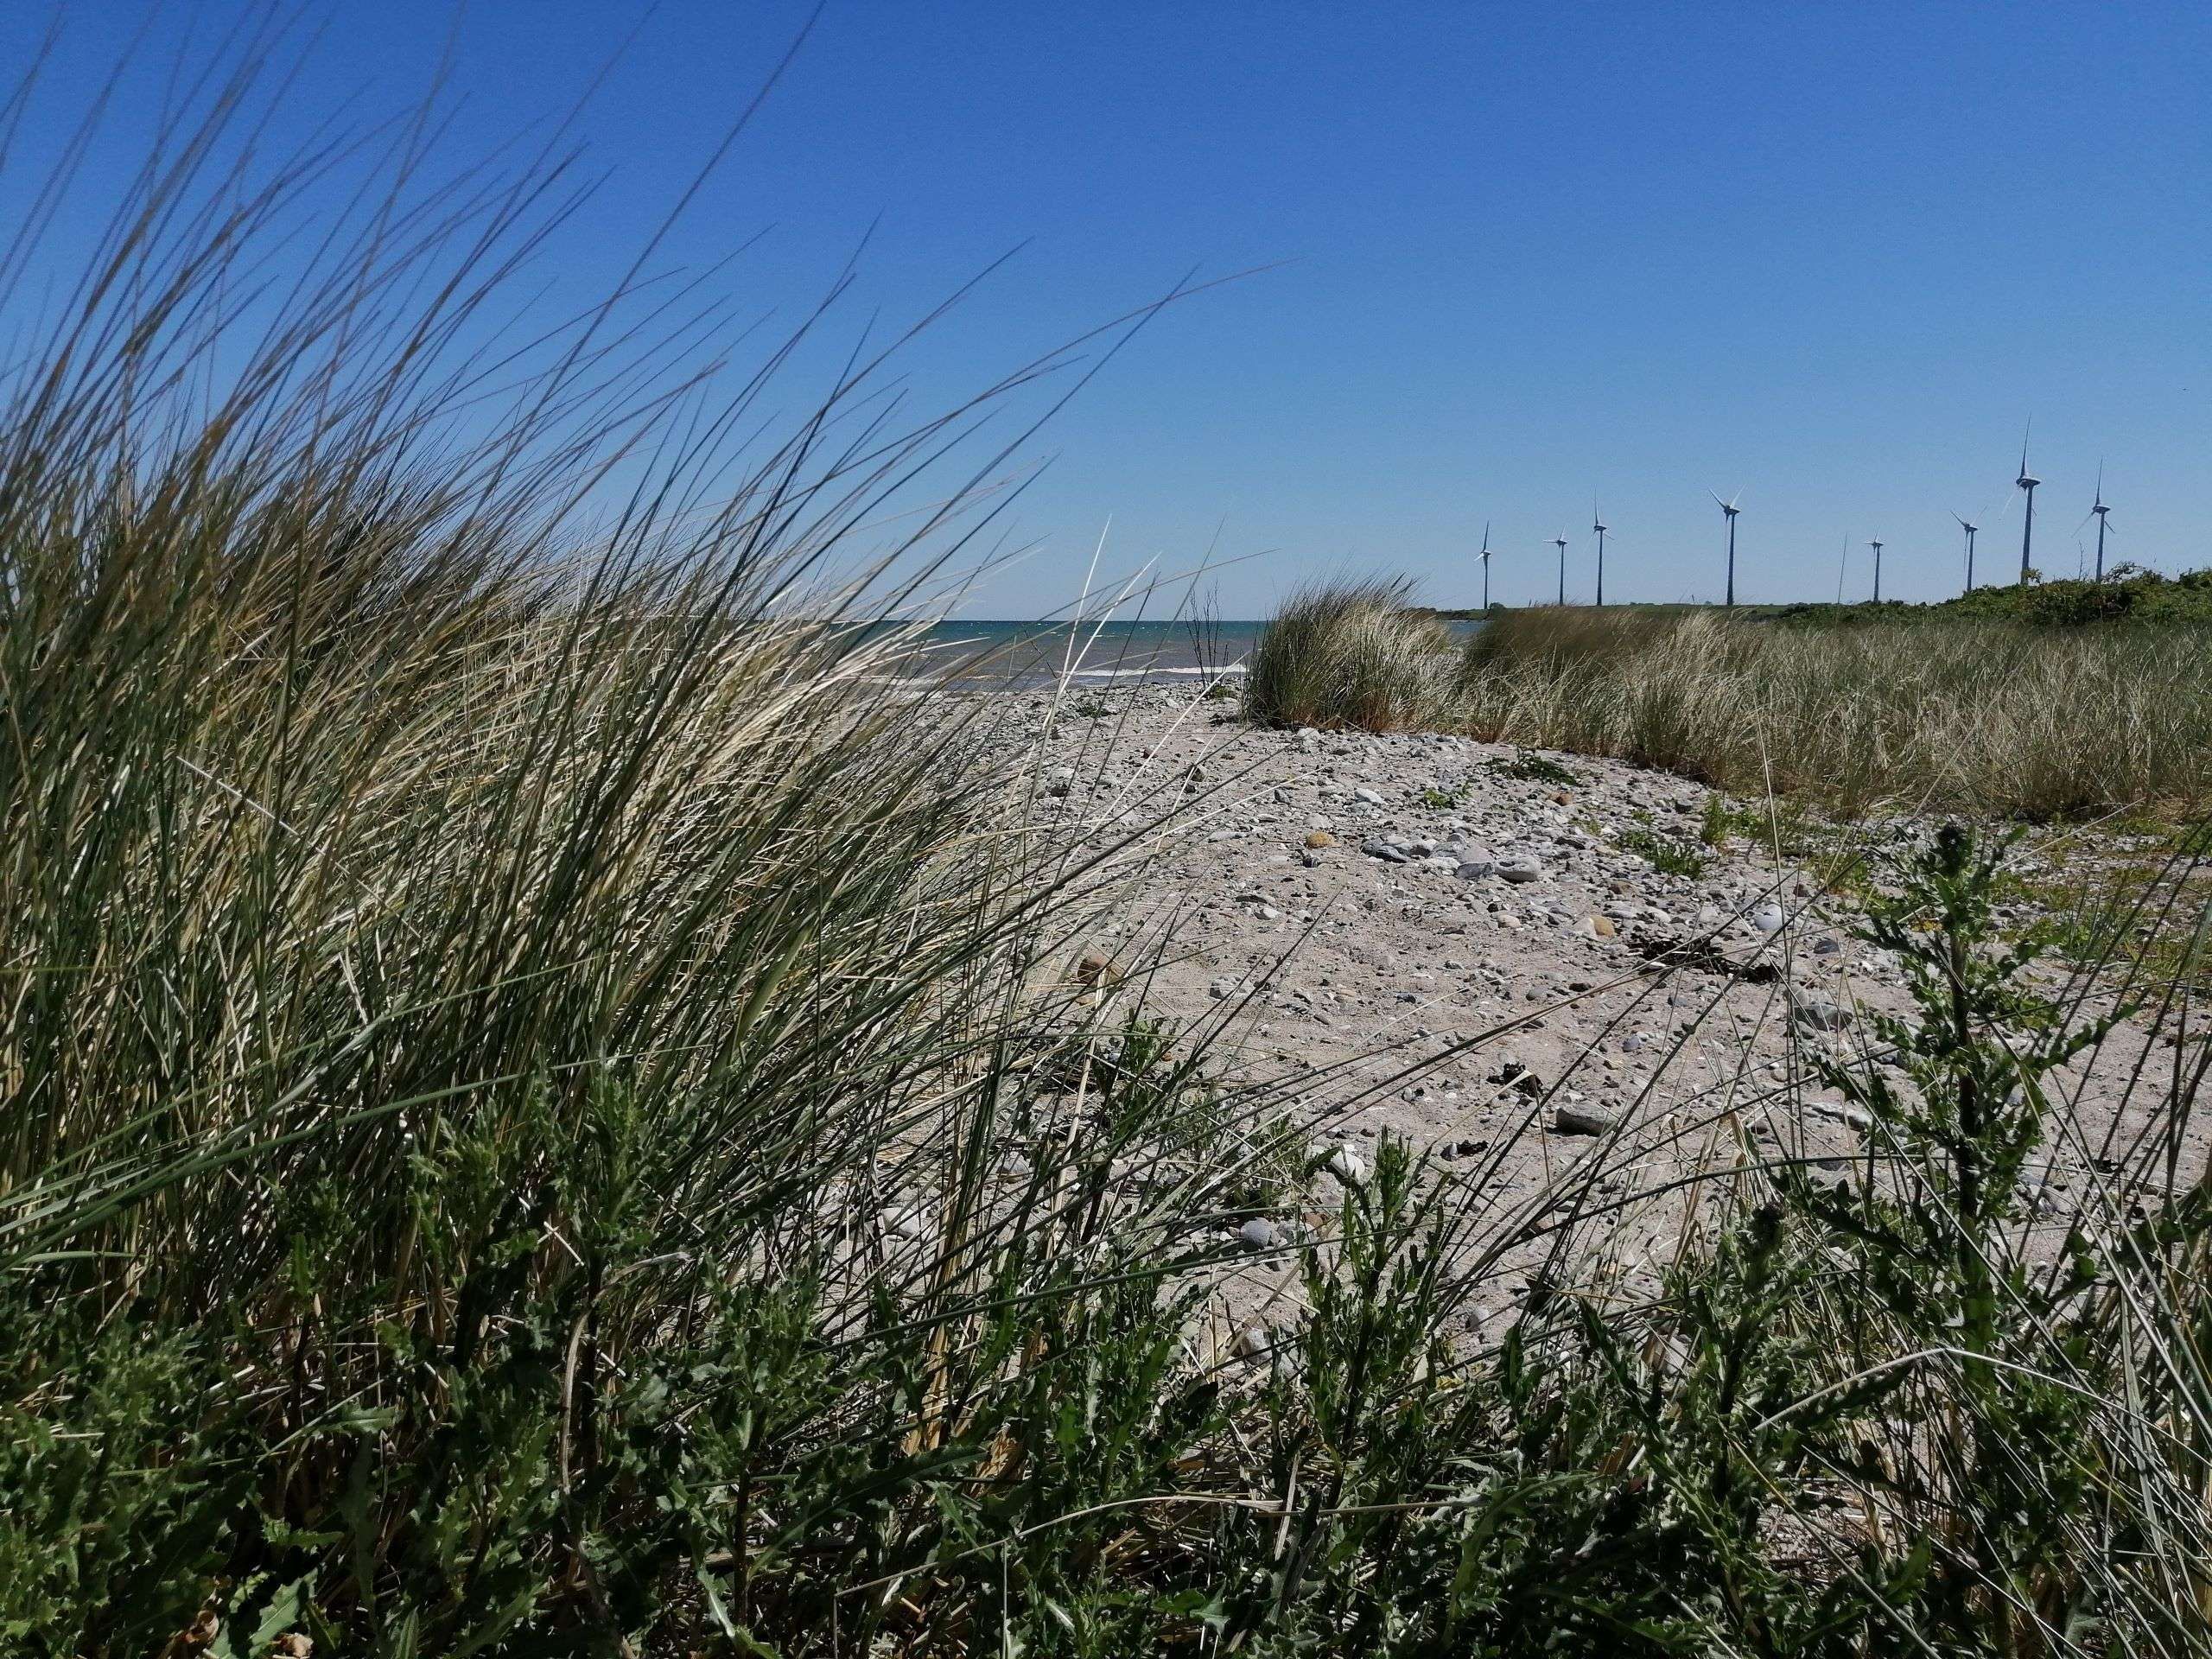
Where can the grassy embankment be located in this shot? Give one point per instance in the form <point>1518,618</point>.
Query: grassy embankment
<point>1853,710</point>
<point>2127,593</point>
<point>543,1115</point>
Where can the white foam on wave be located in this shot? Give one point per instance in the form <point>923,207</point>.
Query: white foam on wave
<point>1145,673</point>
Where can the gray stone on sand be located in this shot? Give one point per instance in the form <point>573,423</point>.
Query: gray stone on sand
<point>1583,1119</point>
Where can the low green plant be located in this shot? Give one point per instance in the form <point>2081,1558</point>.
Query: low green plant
<point>1527,766</point>
<point>1670,854</point>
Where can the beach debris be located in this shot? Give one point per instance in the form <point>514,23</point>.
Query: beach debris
<point>1347,1165</point>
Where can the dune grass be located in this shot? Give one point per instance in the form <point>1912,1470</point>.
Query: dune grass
<point>1349,654</point>
<point>1991,718</point>
<point>548,1112</point>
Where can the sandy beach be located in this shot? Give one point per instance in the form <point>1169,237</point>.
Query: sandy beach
<point>1470,947</point>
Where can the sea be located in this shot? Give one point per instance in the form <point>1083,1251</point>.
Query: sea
<point>1022,654</point>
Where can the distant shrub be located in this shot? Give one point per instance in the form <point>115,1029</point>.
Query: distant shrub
<point>1351,654</point>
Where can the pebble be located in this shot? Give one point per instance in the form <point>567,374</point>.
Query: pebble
<point>1375,847</point>
<point>1253,1342</point>
<point>1583,1119</point>
<point>1822,1014</point>
<point>1258,1234</point>
<point>1347,1167</point>
<point>1367,796</point>
<point>1520,869</point>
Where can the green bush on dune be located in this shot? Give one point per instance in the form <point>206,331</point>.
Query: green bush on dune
<point>1350,654</point>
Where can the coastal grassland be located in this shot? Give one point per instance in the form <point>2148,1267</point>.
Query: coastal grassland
<point>548,1111</point>
<point>1350,654</point>
<point>1987,717</point>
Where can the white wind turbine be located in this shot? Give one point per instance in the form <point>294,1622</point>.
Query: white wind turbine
<point>1730,509</point>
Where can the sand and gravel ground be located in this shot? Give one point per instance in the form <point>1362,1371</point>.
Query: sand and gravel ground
<point>1429,936</point>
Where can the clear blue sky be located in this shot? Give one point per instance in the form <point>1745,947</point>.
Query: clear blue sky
<point>1833,255</point>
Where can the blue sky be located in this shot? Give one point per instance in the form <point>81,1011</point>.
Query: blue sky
<point>1515,257</point>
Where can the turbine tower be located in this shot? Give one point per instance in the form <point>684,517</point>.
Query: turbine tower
<point>1485,566</point>
<point>2026,481</point>
<point>1969,530</point>
<point>2100,509</point>
<point>1729,509</point>
<point>1560,541</point>
<point>1877,545</point>
<point>1599,524</point>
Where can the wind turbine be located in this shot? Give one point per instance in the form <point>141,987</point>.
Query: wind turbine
<point>1599,524</point>
<point>1969,530</point>
<point>1485,566</point>
<point>2026,481</point>
<point>1560,541</point>
<point>1877,545</point>
<point>2100,510</point>
<point>1729,509</point>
